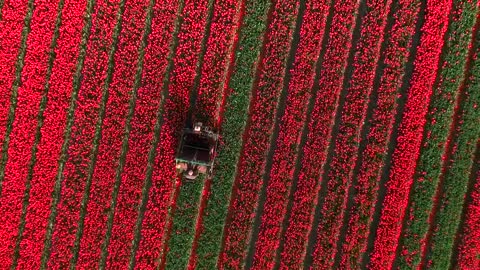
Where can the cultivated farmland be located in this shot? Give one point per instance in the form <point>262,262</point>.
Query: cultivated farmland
<point>348,134</point>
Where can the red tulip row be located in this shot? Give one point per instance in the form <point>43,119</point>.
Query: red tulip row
<point>319,131</point>
<point>217,56</point>
<point>49,147</point>
<point>353,115</point>
<point>372,158</point>
<point>469,250</point>
<point>22,136</point>
<point>262,112</point>
<point>410,133</point>
<point>291,125</point>
<point>174,114</point>
<point>82,134</point>
<point>126,210</point>
<point>11,25</point>
<point>219,48</point>
<point>142,130</point>
<point>112,132</point>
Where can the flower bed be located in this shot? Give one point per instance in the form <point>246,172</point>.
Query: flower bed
<point>352,118</point>
<point>17,174</point>
<point>262,112</point>
<point>242,71</point>
<point>173,117</point>
<point>410,134</point>
<point>291,125</point>
<point>113,111</point>
<point>396,53</point>
<point>437,127</point>
<point>65,239</point>
<point>319,130</point>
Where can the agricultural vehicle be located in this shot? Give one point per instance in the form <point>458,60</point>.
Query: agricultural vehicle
<point>196,151</point>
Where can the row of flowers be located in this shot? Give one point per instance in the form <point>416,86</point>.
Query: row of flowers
<point>11,25</point>
<point>353,114</point>
<point>271,72</point>
<point>149,98</point>
<point>410,133</point>
<point>299,92</point>
<point>52,131</point>
<point>238,86</point>
<point>395,56</point>
<point>464,144</point>
<point>17,170</point>
<point>437,128</point>
<point>130,186</point>
<point>468,252</point>
<point>117,91</point>
<point>181,81</point>
<point>212,89</point>
<point>64,244</point>
<point>319,130</point>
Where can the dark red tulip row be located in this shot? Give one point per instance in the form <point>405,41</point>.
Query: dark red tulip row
<point>142,131</point>
<point>213,81</point>
<point>395,57</point>
<point>217,56</point>
<point>174,114</point>
<point>469,250</point>
<point>319,130</point>
<point>49,147</point>
<point>410,133</point>
<point>292,122</point>
<point>353,115</point>
<point>112,131</point>
<point>22,136</point>
<point>262,114</point>
<point>11,25</point>
<point>82,134</point>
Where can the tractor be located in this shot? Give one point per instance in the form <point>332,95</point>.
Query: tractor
<point>196,151</point>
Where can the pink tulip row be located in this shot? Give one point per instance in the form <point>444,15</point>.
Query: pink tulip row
<point>219,48</point>
<point>262,114</point>
<point>286,152</point>
<point>395,57</point>
<point>142,131</point>
<point>469,250</point>
<point>174,114</point>
<point>410,133</point>
<point>82,134</point>
<point>112,132</point>
<point>217,56</point>
<point>49,147</point>
<point>319,131</point>
<point>353,115</point>
<point>22,136</point>
<point>11,25</point>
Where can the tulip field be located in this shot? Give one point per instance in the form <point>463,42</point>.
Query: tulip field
<point>349,134</point>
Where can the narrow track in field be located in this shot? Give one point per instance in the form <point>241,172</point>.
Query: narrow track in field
<point>401,100</point>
